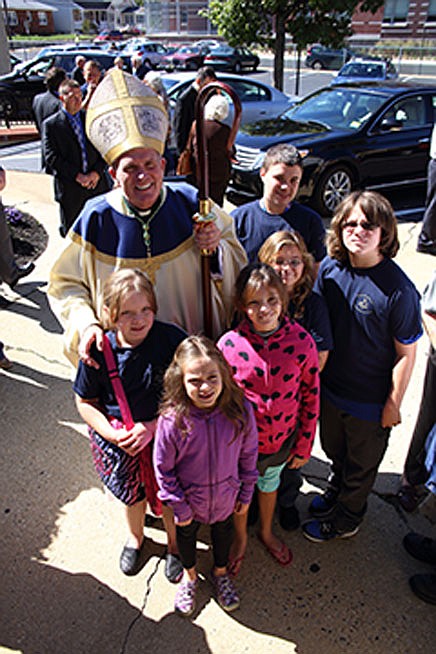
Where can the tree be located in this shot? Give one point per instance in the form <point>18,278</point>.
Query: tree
<point>266,23</point>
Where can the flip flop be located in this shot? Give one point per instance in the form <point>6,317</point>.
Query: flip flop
<point>234,566</point>
<point>283,556</point>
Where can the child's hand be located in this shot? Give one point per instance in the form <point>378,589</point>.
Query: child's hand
<point>241,509</point>
<point>391,415</point>
<point>296,462</point>
<point>92,333</point>
<point>134,440</point>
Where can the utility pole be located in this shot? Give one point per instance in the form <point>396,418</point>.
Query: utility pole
<point>5,62</point>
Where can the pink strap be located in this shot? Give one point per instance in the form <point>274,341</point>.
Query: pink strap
<point>116,384</point>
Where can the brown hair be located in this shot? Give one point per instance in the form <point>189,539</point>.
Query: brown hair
<point>175,398</point>
<point>268,253</point>
<point>117,286</point>
<point>252,278</point>
<point>282,154</point>
<point>378,212</point>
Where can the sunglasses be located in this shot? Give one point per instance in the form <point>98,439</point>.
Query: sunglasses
<point>364,224</point>
<point>292,263</point>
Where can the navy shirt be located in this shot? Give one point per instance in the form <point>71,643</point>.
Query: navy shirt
<point>141,371</point>
<point>368,308</point>
<point>315,319</point>
<point>254,224</point>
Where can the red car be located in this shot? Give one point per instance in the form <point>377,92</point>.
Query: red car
<point>187,57</point>
<point>109,35</point>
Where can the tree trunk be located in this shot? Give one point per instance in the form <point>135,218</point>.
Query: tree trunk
<point>279,51</point>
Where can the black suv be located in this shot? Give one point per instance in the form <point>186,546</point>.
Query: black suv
<point>372,135</point>
<point>18,88</point>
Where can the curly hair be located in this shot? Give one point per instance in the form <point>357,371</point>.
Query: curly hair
<point>175,399</point>
<point>378,212</point>
<point>302,288</point>
<point>117,286</point>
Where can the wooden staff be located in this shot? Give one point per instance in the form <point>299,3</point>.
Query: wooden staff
<point>203,183</point>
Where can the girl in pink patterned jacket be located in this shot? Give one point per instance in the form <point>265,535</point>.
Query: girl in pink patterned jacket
<point>275,361</point>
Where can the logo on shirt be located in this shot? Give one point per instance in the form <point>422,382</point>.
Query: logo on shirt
<point>363,304</point>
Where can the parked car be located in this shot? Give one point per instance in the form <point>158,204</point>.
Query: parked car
<point>109,35</point>
<point>152,53</point>
<point>365,70</point>
<point>258,99</point>
<point>319,56</point>
<point>223,57</point>
<point>350,136</point>
<point>19,87</point>
<point>187,57</point>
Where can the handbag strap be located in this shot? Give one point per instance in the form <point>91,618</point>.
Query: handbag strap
<point>116,383</point>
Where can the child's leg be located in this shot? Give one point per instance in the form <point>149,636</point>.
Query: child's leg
<point>268,484</point>
<point>267,505</point>
<point>135,515</point>
<point>170,528</point>
<point>222,533</point>
<point>239,544</point>
<point>187,541</point>
<point>333,439</point>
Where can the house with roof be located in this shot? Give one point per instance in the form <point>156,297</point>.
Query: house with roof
<point>28,17</point>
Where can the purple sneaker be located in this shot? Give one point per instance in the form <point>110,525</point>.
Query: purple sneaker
<point>226,592</point>
<point>184,602</point>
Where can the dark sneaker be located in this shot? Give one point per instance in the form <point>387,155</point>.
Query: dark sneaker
<point>173,568</point>
<point>132,560</point>
<point>22,271</point>
<point>226,592</point>
<point>319,531</point>
<point>420,547</point>
<point>323,505</point>
<point>184,602</point>
<point>289,518</point>
<point>424,587</point>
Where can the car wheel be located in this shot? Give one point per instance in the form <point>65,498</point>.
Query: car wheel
<point>7,107</point>
<point>317,65</point>
<point>237,67</point>
<point>333,187</point>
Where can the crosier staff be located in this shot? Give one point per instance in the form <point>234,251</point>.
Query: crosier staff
<point>204,214</point>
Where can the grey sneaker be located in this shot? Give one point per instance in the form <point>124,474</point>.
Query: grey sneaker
<point>226,592</point>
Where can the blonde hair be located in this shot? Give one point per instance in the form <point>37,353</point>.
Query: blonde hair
<point>303,287</point>
<point>117,286</point>
<point>175,399</point>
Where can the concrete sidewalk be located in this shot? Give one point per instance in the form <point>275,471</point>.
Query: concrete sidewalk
<point>62,591</point>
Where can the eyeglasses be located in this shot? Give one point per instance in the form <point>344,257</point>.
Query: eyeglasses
<point>291,263</point>
<point>364,224</point>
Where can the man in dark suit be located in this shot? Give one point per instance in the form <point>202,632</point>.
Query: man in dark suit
<point>48,103</point>
<point>78,168</point>
<point>184,113</point>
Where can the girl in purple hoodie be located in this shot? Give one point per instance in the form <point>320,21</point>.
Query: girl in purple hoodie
<point>275,361</point>
<point>205,460</point>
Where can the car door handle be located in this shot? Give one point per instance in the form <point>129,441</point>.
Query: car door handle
<point>424,140</point>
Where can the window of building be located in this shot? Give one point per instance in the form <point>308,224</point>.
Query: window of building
<point>42,18</point>
<point>12,18</point>
<point>77,15</point>
<point>431,11</point>
<point>396,11</point>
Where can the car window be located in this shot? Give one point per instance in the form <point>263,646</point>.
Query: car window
<point>409,112</point>
<point>249,92</point>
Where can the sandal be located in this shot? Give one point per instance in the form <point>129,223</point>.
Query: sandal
<point>282,556</point>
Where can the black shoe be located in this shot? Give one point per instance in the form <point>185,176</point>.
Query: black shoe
<point>425,248</point>
<point>323,505</point>
<point>289,518</point>
<point>173,568</point>
<point>424,587</point>
<point>22,271</point>
<point>420,547</point>
<point>132,560</point>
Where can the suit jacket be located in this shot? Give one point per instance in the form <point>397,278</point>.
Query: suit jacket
<point>44,105</point>
<point>63,155</point>
<point>184,115</point>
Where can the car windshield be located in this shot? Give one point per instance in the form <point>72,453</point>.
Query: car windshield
<point>354,69</point>
<point>343,108</point>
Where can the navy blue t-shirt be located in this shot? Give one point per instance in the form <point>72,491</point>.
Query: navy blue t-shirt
<point>254,224</point>
<point>368,308</point>
<point>315,320</point>
<point>141,371</point>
